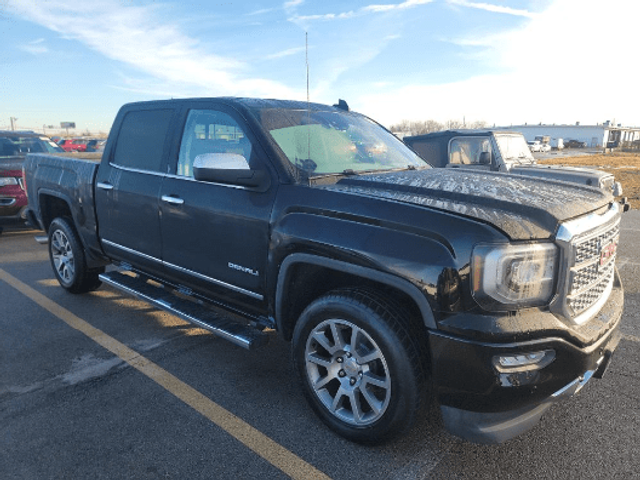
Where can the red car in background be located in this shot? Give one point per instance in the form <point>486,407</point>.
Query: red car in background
<point>73,145</point>
<point>14,147</point>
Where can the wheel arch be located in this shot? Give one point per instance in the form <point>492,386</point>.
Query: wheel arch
<point>51,206</point>
<point>315,275</point>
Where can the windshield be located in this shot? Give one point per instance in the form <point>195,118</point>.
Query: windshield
<point>330,142</point>
<point>514,148</point>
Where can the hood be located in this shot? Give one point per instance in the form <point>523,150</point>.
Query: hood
<point>522,207</point>
<point>581,175</point>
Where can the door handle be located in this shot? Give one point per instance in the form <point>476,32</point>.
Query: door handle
<point>172,200</point>
<point>104,185</point>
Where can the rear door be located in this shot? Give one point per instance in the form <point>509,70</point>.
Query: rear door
<point>215,236</point>
<point>128,185</point>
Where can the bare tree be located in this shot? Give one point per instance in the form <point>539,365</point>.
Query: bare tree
<point>408,127</point>
<point>417,127</point>
<point>478,124</point>
<point>455,125</point>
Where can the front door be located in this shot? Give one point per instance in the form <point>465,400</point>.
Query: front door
<point>215,237</point>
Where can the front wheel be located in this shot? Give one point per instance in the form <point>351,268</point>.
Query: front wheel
<point>67,259</point>
<point>359,366</point>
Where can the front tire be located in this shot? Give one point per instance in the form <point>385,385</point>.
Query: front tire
<point>66,254</point>
<point>360,368</point>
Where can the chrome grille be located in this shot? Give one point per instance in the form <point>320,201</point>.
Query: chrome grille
<point>587,249</point>
<point>592,267</point>
<point>590,287</point>
<point>587,274</point>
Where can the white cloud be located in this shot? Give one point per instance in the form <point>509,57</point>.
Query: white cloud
<point>140,37</point>
<point>304,20</point>
<point>285,53</point>
<point>489,7</point>
<point>573,62</point>
<point>36,47</point>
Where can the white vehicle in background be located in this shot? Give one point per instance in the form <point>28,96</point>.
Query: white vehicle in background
<point>535,146</point>
<point>545,147</point>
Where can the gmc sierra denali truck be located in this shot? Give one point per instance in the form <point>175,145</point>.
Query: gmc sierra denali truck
<point>501,151</point>
<point>493,294</point>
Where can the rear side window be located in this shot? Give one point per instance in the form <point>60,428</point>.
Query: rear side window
<point>429,151</point>
<point>467,150</point>
<point>141,139</point>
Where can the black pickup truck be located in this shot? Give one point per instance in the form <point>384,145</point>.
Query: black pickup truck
<point>493,294</point>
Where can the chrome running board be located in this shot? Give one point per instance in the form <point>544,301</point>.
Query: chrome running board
<point>243,335</point>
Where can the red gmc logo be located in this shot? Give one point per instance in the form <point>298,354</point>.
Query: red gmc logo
<point>608,252</point>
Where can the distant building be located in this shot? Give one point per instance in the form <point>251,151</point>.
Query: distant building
<point>606,135</point>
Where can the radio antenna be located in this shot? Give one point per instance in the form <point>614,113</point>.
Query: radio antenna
<point>306,59</point>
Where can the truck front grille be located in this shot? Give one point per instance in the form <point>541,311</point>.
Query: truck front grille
<point>590,246</point>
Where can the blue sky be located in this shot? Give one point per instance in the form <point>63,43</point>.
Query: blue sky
<point>499,61</point>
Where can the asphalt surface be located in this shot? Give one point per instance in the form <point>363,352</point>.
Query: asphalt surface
<point>187,405</point>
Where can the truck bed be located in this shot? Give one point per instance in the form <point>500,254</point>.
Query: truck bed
<point>66,178</point>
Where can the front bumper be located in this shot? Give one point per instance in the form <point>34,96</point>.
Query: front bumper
<point>484,405</point>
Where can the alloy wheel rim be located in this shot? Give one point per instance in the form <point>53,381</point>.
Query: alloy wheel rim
<point>348,372</point>
<point>62,256</point>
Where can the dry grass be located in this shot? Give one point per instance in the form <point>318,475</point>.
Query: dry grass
<point>625,167</point>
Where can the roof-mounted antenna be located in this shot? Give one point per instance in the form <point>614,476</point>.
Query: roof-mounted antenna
<point>306,59</point>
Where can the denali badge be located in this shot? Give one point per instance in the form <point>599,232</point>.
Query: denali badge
<point>607,252</point>
<point>242,269</point>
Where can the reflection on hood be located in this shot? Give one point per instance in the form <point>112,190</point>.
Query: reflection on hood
<point>524,208</point>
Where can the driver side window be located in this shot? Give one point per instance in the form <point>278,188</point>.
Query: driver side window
<point>210,131</point>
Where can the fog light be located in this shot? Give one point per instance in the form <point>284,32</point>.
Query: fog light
<point>524,361</point>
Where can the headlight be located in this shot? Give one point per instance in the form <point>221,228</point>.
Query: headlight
<point>4,181</point>
<point>505,277</point>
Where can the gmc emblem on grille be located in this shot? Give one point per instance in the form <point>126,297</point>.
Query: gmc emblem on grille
<point>608,252</point>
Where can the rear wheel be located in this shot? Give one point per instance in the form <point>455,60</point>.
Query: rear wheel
<point>359,366</point>
<point>67,259</point>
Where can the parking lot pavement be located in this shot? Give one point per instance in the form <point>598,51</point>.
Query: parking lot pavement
<point>103,386</point>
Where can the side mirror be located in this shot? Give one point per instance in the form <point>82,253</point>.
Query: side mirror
<point>229,168</point>
<point>617,189</point>
<point>485,158</point>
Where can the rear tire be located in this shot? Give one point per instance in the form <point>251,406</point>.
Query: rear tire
<point>66,254</point>
<point>359,365</point>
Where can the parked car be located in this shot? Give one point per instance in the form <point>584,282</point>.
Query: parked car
<point>574,144</point>
<point>398,284</point>
<point>14,146</point>
<point>545,147</point>
<point>95,145</point>
<point>74,145</point>
<point>535,146</point>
